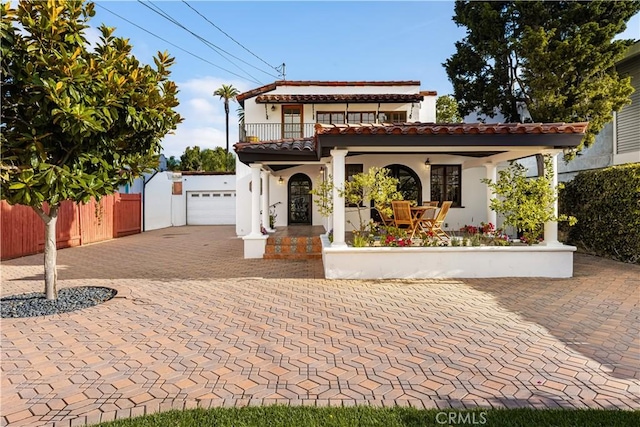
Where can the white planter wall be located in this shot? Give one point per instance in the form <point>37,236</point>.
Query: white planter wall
<point>449,262</point>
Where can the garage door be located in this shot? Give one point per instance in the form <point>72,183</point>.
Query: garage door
<point>211,207</point>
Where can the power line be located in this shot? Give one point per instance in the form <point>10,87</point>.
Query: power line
<point>168,42</point>
<point>234,40</point>
<point>156,9</point>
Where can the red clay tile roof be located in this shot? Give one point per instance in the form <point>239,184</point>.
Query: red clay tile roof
<point>300,144</point>
<point>272,86</point>
<point>340,98</point>
<point>450,128</point>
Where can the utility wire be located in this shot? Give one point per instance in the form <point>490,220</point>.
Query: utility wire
<point>223,32</point>
<point>168,42</point>
<point>156,9</point>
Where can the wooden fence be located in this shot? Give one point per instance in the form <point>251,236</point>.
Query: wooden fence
<point>114,216</point>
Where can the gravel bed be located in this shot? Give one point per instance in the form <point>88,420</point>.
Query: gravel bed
<point>69,299</point>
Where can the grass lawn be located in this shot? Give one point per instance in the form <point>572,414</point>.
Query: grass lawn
<point>297,416</point>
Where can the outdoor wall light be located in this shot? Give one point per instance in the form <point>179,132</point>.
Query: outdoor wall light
<point>273,108</point>
<point>427,164</point>
<point>280,180</point>
<point>321,170</point>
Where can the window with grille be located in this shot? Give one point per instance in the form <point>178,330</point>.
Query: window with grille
<point>361,117</point>
<point>329,118</point>
<point>446,184</point>
<point>393,117</point>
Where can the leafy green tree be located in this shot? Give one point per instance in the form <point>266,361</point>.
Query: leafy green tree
<point>173,164</point>
<point>556,59</point>
<point>76,122</point>
<point>375,185</point>
<point>447,110</point>
<point>211,160</point>
<point>227,92</point>
<point>526,203</point>
<point>191,160</point>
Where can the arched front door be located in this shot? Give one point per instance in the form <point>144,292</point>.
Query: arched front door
<point>409,185</point>
<point>300,199</point>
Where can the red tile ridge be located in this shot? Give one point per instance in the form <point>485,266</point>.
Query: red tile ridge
<point>271,86</point>
<point>451,128</point>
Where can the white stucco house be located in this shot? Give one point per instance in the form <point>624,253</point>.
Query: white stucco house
<point>297,132</point>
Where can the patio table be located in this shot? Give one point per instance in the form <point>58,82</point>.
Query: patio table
<point>417,213</point>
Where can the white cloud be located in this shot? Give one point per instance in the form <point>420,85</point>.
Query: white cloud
<point>203,113</point>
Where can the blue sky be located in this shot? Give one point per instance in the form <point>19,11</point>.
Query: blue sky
<point>316,41</point>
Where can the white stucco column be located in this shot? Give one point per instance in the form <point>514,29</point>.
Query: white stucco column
<point>255,242</point>
<point>492,175</point>
<point>264,199</point>
<point>338,161</point>
<point>255,199</point>
<point>551,227</point>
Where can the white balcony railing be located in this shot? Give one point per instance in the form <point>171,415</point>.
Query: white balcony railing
<point>253,132</point>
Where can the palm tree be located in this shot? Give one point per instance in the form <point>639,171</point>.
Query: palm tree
<point>226,92</point>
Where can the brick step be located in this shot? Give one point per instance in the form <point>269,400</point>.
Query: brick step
<point>292,256</point>
<point>293,248</point>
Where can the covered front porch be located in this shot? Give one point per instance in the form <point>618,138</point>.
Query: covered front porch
<point>475,151</point>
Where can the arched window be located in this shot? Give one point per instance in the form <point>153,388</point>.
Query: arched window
<point>410,185</point>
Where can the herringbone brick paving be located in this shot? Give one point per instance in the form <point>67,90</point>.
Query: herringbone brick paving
<point>194,324</point>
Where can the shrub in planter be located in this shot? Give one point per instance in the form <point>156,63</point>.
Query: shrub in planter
<point>606,203</point>
<point>526,203</point>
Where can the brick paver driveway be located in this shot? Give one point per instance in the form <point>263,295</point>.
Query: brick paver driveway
<point>195,324</point>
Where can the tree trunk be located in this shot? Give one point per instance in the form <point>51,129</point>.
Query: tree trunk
<point>226,115</point>
<point>50,251</point>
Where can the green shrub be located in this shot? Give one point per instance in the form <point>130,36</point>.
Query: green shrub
<point>606,203</point>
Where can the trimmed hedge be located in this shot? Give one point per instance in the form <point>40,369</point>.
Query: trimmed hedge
<point>606,203</point>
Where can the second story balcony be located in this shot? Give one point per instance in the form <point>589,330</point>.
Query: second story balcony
<point>253,132</point>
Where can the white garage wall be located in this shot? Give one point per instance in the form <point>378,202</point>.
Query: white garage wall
<point>157,202</point>
<point>162,209</point>
<point>201,183</point>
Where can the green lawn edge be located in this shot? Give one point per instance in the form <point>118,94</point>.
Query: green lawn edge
<point>363,416</point>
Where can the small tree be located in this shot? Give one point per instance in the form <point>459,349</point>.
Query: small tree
<point>526,203</point>
<point>447,110</point>
<point>76,122</point>
<point>376,185</point>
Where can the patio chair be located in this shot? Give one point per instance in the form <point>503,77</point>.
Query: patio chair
<point>431,213</point>
<point>434,225</point>
<point>386,220</point>
<point>402,216</point>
